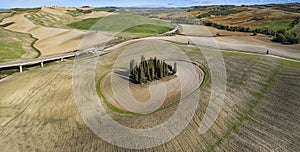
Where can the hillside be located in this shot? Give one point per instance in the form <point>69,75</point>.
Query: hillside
<point>271,19</point>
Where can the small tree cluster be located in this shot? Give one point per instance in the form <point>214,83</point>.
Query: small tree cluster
<point>281,35</point>
<point>285,37</point>
<point>150,70</point>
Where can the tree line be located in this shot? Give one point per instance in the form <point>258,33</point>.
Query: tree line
<point>150,70</point>
<point>282,35</point>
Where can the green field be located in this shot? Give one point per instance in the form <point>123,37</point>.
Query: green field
<point>85,24</point>
<point>130,24</point>
<point>15,45</point>
<point>275,24</point>
<point>295,29</point>
<point>106,9</point>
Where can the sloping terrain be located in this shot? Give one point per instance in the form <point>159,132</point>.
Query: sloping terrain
<point>13,45</point>
<point>260,112</point>
<point>253,17</point>
<point>60,17</point>
<point>54,40</point>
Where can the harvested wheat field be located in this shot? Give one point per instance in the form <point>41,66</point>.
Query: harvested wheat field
<point>238,41</point>
<point>143,84</point>
<point>247,18</point>
<point>42,115</point>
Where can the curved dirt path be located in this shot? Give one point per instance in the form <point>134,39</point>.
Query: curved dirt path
<point>239,41</point>
<point>188,79</point>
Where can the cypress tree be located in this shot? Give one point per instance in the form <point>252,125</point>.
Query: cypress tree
<point>165,69</point>
<point>136,73</point>
<point>142,58</point>
<point>142,75</point>
<point>175,68</point>
<point>161,70</point>
<point>131,66</point>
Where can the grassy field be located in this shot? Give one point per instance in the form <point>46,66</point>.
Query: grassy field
<point>15,45</point>
<point>107,9</point>
<point>85,24</point>
<point>275,24</point>
<point>296,29</point>
<point>145,26</point>
<point>4,14</point>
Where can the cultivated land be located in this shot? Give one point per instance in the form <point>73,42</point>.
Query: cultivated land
<point>260,111</point>
<point>56,37</point>
<point>254,103</point>
<point>144,26</point>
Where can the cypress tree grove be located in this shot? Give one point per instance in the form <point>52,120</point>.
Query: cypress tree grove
<point>150,70</point>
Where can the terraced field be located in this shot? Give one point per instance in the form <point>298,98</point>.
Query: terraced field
<point>260,112</point>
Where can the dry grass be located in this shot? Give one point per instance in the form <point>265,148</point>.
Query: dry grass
<point>259,114</point>
<point>61,17</point>
<point>55,40</point>
<point>247,18</point>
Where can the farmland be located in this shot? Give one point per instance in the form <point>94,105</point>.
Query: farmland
<point>258,104</point>
<point>145,26</point>
<point>40,108</point>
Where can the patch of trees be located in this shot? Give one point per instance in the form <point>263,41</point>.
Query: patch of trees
<point>295,22</point>
<point>219,13</point>
<point>226,27</point>
<point>84,11</point>
<point>150,70</point>
<point>281,36</point>
<point>285,37</point>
